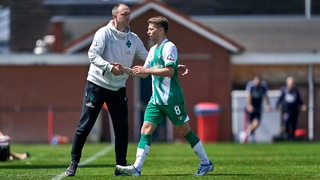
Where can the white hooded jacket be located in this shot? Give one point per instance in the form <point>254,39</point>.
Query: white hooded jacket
<point>112,46</point>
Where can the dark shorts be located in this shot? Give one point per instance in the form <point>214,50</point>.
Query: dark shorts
<point>254,116</point>
<point>4,150</point>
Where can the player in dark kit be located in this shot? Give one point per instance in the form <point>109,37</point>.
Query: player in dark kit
<point>256,92</point>
<point>291,104</point>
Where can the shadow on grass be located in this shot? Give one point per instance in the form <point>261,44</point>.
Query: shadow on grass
<point>54,166</point>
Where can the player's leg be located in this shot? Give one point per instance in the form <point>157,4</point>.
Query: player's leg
<point>285,125</point>
<point>255,121</point>
<point>144,144</point>
<point>90,109</point>
<point>288,126</point>
<point>152,117</point>
<point>251,117</point>
<point>118,109</point>
<point>179,118</point>
<point>194,141</point>
<point>254,124</point>
<point>197,147</point>
<point>20,156</point>
<point>294,122</point>
<point>142,151</point>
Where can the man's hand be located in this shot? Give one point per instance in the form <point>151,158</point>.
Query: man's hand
<point>250,108</point>
<point>127,70</point>
<point>116,69</point>
<point>268,108</point>
<point>182,69</point>
<point>140,70</point>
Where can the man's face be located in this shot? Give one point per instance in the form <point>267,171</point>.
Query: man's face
<point>123,15</point>
<point>290,83</point>
<point>153,32</point>
<point>257,81</point>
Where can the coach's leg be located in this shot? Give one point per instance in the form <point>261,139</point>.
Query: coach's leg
<point>118,109</point>
<point>91,107</point>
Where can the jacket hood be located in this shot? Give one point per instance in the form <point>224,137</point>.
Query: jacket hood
<point>116,32</point>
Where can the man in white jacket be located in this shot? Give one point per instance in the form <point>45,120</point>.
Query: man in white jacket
<point>112,45</point>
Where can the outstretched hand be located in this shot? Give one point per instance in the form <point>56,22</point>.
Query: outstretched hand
<point>182,69</point>
<point>139,70</point>
<point>116,69</point>
<point>268,108</point>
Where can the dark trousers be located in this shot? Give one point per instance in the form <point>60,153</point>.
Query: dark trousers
<point>94,97</point>
<point>290,122</point>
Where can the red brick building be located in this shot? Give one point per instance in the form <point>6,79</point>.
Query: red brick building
<point>57,81</point>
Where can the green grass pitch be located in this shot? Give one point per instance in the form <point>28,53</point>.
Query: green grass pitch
<point>294,160</point>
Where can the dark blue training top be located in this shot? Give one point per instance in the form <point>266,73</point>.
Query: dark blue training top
<point>290,100</point>
<point>257,92</point>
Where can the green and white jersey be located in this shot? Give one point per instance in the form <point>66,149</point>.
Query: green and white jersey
<point>165,90</point>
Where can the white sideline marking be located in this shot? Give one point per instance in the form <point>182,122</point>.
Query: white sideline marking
<point>88,160</point>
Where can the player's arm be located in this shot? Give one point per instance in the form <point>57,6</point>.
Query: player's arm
<point>248,97</point>
<point>249,103</point>
<point>163,72</point>
<point>303,106</point>
<point>266,97</point>
<point>129,71</point>
<point>280,99</point>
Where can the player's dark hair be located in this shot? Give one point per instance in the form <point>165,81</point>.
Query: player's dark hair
<point>160,21</point>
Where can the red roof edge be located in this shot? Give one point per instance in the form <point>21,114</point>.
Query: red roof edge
<point>241,48</point>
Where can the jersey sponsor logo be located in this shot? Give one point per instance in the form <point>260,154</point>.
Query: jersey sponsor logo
<point>170,57</point>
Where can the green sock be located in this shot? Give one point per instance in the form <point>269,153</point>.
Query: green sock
<point>192,138</point>
<point>145,139</point>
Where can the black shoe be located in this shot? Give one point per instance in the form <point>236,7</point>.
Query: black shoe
<point>71,170</point>
<point>27,154</point>
<point>118,173</point>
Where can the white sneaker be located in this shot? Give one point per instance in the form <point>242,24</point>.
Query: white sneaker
<point>204,169</point>
<point>129,170</point>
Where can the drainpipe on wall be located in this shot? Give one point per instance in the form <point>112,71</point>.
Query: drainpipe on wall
<point>311,103</point>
